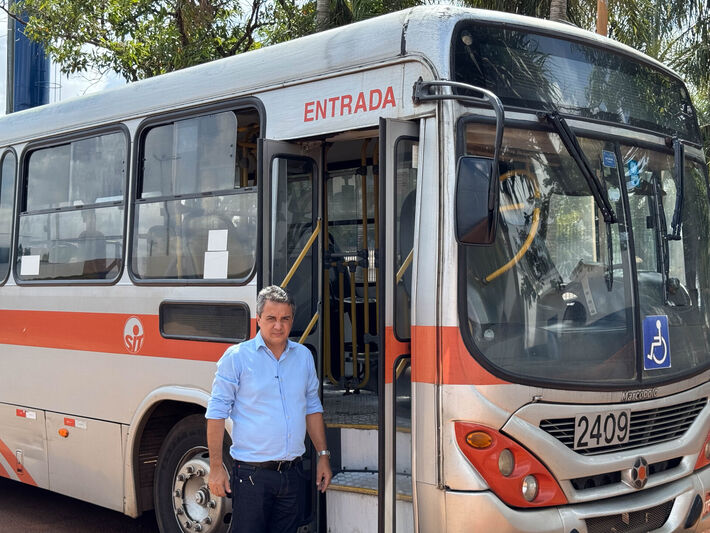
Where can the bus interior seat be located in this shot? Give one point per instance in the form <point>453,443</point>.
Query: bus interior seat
<point>160,261</point>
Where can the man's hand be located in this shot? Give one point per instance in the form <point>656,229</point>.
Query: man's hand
<point>218,481</point>
<point>323,473</point>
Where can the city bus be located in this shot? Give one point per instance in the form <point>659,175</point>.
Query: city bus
<point>495,229</point>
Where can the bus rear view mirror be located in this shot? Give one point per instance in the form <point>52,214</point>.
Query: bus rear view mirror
<point>476,200</point>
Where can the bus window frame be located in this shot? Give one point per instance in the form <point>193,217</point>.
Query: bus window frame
<point>317,253</point>
<point>12,253</point>
<point>395,239</point>
<point>161,119</point>
<point>21,196</point>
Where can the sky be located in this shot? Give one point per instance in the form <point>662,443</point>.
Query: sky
<point>61,87</point>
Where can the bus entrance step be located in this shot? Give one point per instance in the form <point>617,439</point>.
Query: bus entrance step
<point>352,502</point>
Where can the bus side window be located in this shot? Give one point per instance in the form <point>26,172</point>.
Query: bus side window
<point>7,201</point>
<point>196,204</point>
<point>72,212</point>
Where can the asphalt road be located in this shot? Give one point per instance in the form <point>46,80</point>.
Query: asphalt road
<point>32,510</point>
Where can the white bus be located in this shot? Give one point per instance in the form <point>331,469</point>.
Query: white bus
<point>496,231</point>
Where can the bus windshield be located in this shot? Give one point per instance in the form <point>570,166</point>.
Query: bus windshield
<point>550,74</point>
<point>556,297</point>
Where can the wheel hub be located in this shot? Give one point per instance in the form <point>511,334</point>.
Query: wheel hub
<point>195,508</point>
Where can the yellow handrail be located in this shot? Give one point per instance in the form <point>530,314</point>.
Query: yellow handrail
<point>303,253</point>
<point>533,226</point>
<point>405,266</point>
<point>310,326</point>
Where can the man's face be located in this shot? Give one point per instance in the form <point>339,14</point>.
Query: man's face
<point>275,322</point>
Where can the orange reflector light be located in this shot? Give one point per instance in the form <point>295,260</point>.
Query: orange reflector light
<point>479,439</point>
<point>64,432</point>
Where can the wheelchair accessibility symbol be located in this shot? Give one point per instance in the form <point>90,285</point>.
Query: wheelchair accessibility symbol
<point>656,349</point>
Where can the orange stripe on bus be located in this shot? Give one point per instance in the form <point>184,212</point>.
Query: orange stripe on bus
<point>458,367</point>
<point>22,474</point>
<point>99,332</point>
<point>3,472</point>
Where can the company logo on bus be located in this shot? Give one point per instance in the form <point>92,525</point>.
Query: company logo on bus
<point>133,335</point>
<point>639,395</point>
<point>636,476</point>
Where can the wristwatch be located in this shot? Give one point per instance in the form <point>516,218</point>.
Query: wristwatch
<point>324,452</point>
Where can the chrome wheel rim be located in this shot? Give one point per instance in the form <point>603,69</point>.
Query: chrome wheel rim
<point>196,510</point>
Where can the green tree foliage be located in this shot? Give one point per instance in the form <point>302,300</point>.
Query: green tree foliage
<point>141,38</point>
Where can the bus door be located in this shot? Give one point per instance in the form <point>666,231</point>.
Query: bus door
<point>292,240</point>
<point>399,141</point>
<point>328,237</point>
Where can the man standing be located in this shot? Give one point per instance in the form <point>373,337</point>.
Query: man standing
<point>269,387</point>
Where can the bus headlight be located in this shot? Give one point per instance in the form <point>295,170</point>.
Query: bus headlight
<point>506,462</point>
<point>704,455</point>
<point>530,488</point>
<point>511,471</point>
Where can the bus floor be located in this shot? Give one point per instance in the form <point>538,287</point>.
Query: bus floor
<point>343,410</point>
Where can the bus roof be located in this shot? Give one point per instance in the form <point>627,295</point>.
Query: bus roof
<point>419,32</point>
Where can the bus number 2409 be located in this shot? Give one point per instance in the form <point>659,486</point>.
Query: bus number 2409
<point>608,428</point>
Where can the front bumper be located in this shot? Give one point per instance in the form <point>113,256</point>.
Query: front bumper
<point>475,511</point>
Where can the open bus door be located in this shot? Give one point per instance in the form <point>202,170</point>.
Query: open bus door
<point>399,147</point>
<point>291,258</point>
<point>338,229</point>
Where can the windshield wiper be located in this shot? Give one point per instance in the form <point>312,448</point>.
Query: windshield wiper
<point>676,223</point>
<point>662,233</point>
<point>609,259</point>
<point>569,139</point>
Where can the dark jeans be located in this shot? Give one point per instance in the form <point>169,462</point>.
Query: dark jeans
<point>264,501</point>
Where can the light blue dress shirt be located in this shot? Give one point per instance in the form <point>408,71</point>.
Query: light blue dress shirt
<point>267,399</point>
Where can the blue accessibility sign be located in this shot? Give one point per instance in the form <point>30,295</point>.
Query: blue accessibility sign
<point>656,343</point>
<point>608,159</point>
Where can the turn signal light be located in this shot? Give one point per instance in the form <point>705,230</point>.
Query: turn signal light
<point>479,439</point>
<point>515,475</point>
<point>64,432</point>
<point>704,456</point>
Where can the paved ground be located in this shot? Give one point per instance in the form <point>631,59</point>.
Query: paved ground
<point>28,509</point>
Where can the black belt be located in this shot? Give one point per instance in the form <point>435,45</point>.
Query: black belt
<point>279,466</point>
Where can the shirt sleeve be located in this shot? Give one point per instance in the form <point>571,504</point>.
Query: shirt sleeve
<point>313,404</point>
<point>224,386</point>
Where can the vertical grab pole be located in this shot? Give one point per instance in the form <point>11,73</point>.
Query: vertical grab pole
<point>341,320</point>
<point>327,364</point>
<point>353,320</point>
<point>366,276</point>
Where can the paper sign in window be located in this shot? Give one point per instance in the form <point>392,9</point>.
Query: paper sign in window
<point>217,240</point>
<point>216,265</point>
<point>29,265</point>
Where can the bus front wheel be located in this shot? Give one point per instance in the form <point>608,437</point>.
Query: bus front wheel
<point>183,502</point>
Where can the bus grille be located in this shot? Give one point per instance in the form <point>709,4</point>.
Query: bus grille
<point>634,522</point>
<point>650,426</point>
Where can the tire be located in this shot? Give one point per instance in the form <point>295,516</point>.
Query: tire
<point>183,503</point>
